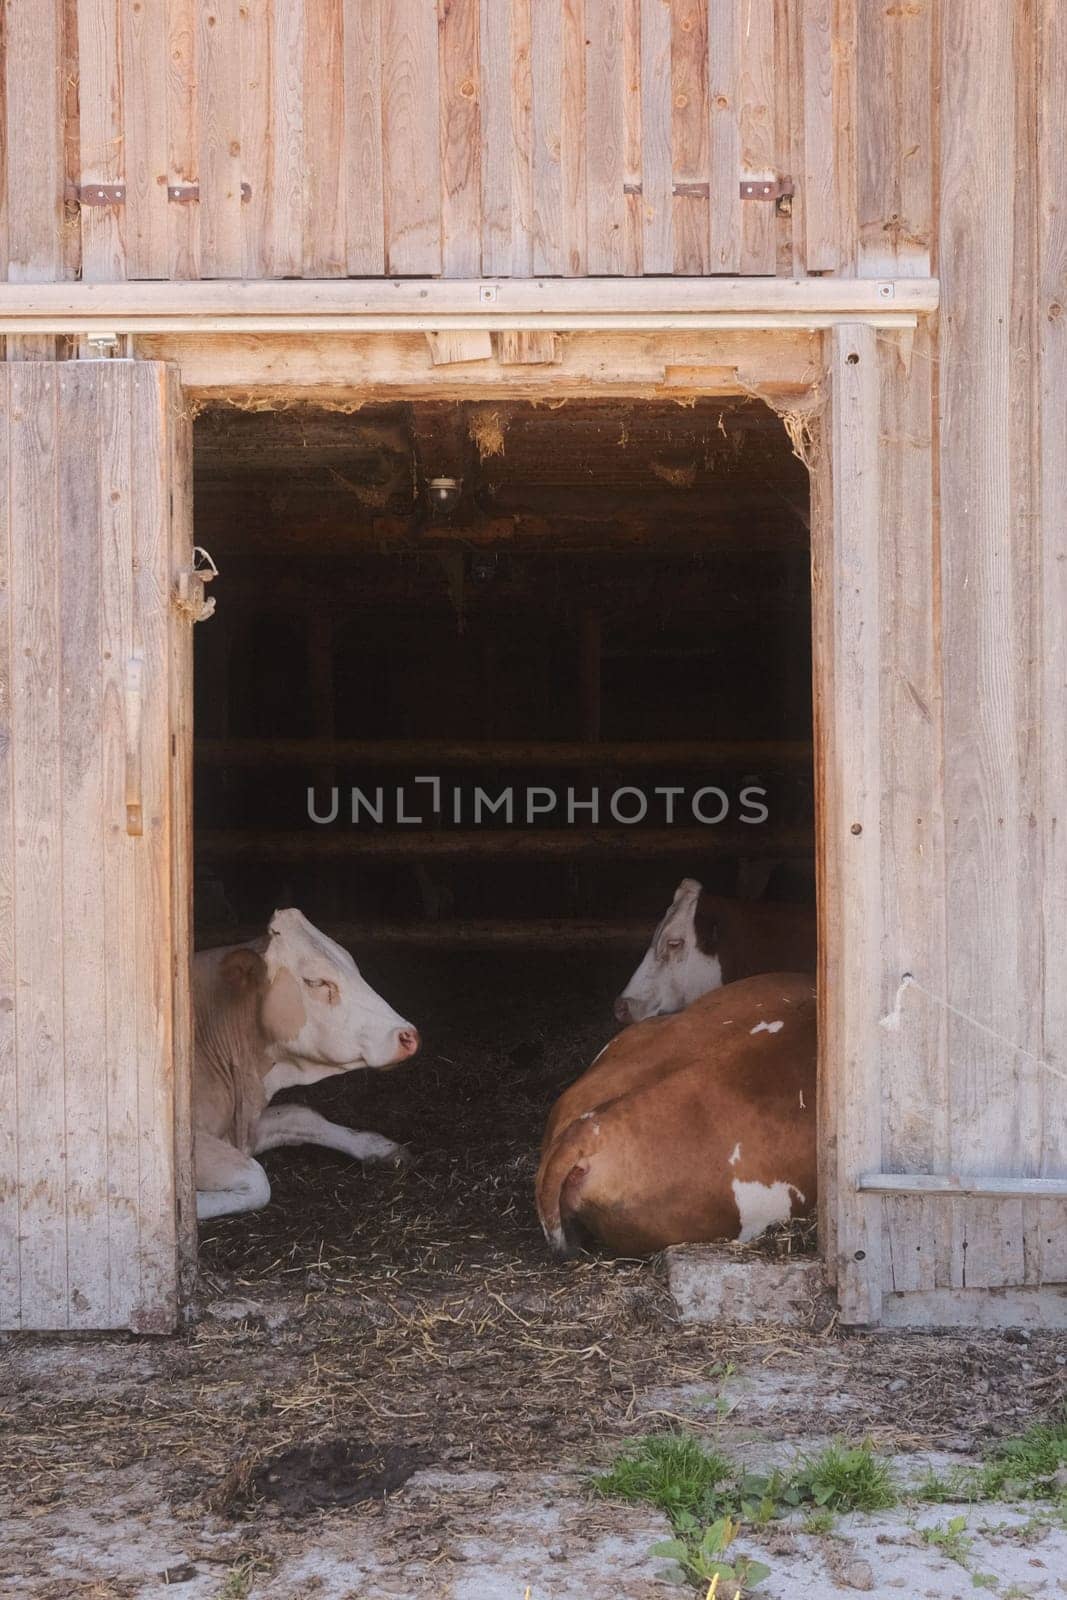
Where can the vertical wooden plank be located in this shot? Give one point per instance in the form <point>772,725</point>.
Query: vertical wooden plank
<point>122,967</point>
<point>219,84</point>
<point>460,139</point>
<point>180,450</point>
<point>851,971</point>
<point>789,131</point>
<point>103,154</point>
<point>990,585</point>
<point>908,1259</point>
<point>84,949</point>
<point>495,45</point>
<point>521,140</point>
<point>759,157</point>
<point>287,144</point>
<point>410,120</point>
<point>657,173</point>
<point>10,1292</point>
<point>156,1310</point>
<point>546,75</point>
<point>690,134</point>
<point>70,70</point>
<point>633,231</point>
<point>987,1244</point>
<point>894,133</point>
<point>573,140</point>
<point>1026,496</point>
<point>819,143</point>
<point>1052,380</point>
<point>364,205</point>
<point>724,96</point>
<point>256,19</point>
<point>845,92</point>
<point>35,166</point>
<point>605,136</point>
<point>144,90</point>
<point>39,920</point>
<point>325,248</point>
<point>183,161</point>
<point>913,1051</point>
<point>5,250</point>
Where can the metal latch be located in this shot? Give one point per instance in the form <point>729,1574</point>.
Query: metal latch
<point>780,190</point>
<point>189,597</point>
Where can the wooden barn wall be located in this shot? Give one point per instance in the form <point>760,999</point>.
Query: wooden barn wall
<point>89,1178</point>
<point>463,138</point>
<point>947,789</point>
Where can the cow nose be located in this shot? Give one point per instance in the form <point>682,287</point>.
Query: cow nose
<point>622,1009</point>
<point>407,1041</point>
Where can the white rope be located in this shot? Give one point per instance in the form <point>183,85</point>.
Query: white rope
<point>891,1022</point>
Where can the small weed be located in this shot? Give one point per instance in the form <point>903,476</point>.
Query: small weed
<point>698,1556</point>
<point>1032,1466</point>
<point>761,1497</point>
<point>951,1538</point>
<point>819,1522</point>
<point>937,1489</point>
<point>984,1580</point>
<point>669,1471</point>
<point>237,1584</point>
<point>847,1478</point>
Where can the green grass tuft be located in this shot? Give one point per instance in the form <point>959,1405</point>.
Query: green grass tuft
<point>670,1471</point>
<point>847,1478</point>
<point>1033,1465</point>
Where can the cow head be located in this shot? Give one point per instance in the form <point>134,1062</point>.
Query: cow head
<point>679,965</point>
<point>315,1009</point>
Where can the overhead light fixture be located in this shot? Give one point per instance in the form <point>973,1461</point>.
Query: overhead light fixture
<point>444,495</point>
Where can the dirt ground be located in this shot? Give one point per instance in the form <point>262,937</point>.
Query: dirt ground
<point>387,1388</point>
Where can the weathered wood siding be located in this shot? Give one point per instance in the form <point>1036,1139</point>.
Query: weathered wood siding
<point>463,138</point>
<point>945,786</point>
<point>88,1197</point>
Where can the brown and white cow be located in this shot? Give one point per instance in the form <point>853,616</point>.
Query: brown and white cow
<point>688,1128</point>
<point>289,1008</point>
<point>705,940</point>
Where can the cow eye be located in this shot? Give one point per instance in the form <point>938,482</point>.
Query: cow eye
<point>675,944</point>
<point>325,988</point>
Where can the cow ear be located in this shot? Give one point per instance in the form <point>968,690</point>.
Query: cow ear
<point>687,889</point>
<point>243,969</point>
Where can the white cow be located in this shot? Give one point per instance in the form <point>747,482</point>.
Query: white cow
<point>286,1009</point>
<point>706,940</point>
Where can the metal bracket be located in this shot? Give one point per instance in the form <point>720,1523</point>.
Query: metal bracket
<point>767,188</point>
<point>100,194</point>
<point>189,597</point>
<point>187,194</point>
<point>102,345</point>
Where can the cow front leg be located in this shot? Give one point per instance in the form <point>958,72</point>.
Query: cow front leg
<point>226,1180</point>
<point>280,1125</point>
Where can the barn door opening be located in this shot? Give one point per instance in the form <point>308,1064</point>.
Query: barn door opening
<point>614,597</point>
<point>94,660</point>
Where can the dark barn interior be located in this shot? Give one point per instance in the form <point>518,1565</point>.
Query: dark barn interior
<point>616,597</point>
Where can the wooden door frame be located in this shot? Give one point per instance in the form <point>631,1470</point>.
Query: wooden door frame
<point>825,384</point>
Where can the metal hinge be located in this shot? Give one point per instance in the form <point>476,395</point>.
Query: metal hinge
<point>99,194</point>
<point>190,600</point>
<point>780,190</point>
<point>187,194</point>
